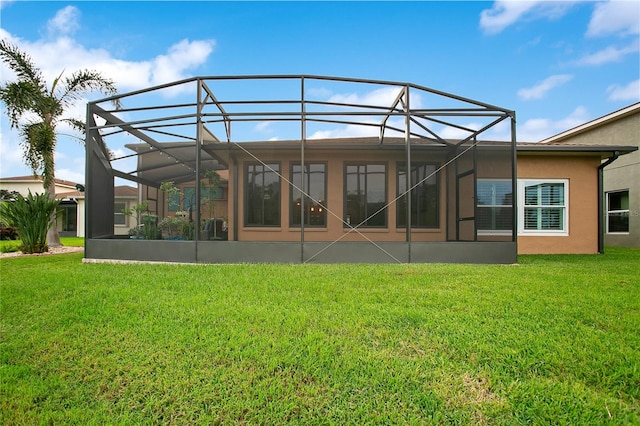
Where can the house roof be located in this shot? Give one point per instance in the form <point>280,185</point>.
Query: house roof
<point>125,191</point>
<point>590,125</point>
<point>32,178</point>
<point>71,194</point>
<point>604,151</point>
<point>122,191</point>
<point>176,161</point>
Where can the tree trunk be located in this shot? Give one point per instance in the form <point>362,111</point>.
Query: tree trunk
<point>53,239</point>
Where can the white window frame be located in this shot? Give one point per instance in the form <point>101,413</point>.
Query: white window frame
<point>120,214</point>
<point>617,211</point>
<point>494,232</point>
<point>522,183</point>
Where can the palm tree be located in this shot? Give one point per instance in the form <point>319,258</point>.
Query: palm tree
<point>30,95</point>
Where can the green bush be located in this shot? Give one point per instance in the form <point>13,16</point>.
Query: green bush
<point>32,216</point>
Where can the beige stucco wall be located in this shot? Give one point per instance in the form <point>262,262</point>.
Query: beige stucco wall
<point>624,173</point>
<point>24,186</point>
<point>335,200</point>
<point>35,186</point>
<point>129,221</point>
<point>581,172</point>
<point>579,169</point>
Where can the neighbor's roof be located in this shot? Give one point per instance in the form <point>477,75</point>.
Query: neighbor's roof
<point>70,194</point>
<point>32,178</point>
<point>604,151</point>
<point>123,191</point>
<point>590,125</point>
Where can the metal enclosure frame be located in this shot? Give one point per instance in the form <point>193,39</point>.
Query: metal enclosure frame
<point>179,142</point>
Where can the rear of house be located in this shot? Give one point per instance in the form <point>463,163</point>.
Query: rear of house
<point>402,193</point>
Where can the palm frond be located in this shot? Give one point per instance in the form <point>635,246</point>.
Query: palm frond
<point>55,83</point>
<point>75,124</point>
<point>22,65</point>
<point>49,108</point>
<point>19,97</point>
<point>39,142</point>
<point>85,81</point>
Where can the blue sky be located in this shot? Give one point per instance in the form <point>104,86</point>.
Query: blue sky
<point>557,64</point>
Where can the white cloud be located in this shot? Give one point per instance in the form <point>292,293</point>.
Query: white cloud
<point>537,129</point>
<point>176,64</point>
<point>456,133</point>
<point>128,75</point>
<point>379,97</point>
<point>615,17</point>
<point>71,175</point>
<point>610,54</point>
<point>348,131</point>
<point>540,90</point>
<point>181,57</point>
<point>5,3</point>
<point>630,92</point>
<point>11,162</point>
<point>505,13</point>
<point>263,127</point>
<point>66,21</point>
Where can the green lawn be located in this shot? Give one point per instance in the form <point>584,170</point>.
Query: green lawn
<point>7,246</point>
<point>553,340</point>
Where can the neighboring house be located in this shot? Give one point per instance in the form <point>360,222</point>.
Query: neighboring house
<point>70,219</point>
<point>621,186</point>
<point>407,194</point>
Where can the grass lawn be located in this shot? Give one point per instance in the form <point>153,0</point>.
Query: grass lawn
<point>7,246</point>
<point>553,340</point>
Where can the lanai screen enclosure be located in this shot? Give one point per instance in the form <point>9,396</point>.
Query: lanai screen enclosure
<point>301,169</point>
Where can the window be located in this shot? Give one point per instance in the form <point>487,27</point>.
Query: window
<point>424,196</point>
<point>211,193</point>
<point>315,183</point>
<point>618,212</point>
<point>174,202</point>
<point>118,215</point>
<point>365,195</point>
<point>189,198</point>
<point>543,207</point>
<point>67,216</point>
<point>494,214</point>
<point>262,195</point>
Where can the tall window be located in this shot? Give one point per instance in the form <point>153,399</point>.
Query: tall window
<point>189,198</point>
<point>315,205</point>
<point>494,214</point>
<point>118,214</point>
<point>365,194</point>
<point>174,202</point>
<point>543,207</point>
<point>424,196</point>
<point>262,195</point>
<point>618,212</point>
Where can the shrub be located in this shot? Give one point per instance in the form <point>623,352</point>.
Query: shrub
<point>8,232</point>
<point>32,216</point>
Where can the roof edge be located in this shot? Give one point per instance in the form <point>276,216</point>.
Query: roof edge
<point>597,122</point>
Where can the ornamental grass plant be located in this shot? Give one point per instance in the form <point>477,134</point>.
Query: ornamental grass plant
<point>32,216</point>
